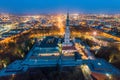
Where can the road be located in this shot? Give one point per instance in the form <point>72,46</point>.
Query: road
<point>79,48</point>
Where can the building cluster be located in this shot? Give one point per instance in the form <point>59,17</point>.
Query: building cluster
<point>107,23</point>
<point>53,51</point>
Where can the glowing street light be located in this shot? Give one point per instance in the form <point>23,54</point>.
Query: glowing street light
<point>99,64</point>
<point>94,33</point>
<point>108,75</point>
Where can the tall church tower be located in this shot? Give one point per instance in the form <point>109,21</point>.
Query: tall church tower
<point>67,33</point>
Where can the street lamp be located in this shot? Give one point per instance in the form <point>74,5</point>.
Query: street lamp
<point>94,33</point>
<point>108,75</point>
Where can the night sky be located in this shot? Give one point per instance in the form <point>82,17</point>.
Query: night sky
<point>59,6</point>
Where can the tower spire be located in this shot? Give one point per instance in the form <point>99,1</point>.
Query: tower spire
<point>67,20</point>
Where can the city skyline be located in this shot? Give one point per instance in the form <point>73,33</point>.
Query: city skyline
<point>59,40</point>
<point>59,6</point>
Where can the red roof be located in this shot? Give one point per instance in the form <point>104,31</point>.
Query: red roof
<point>68,48</point>
<point>99,76</point>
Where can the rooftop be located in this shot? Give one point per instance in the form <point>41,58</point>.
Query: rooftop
<point>49,42</point>
<point>13,68</point>
<point>45,51</point>
<point>102,66</point>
